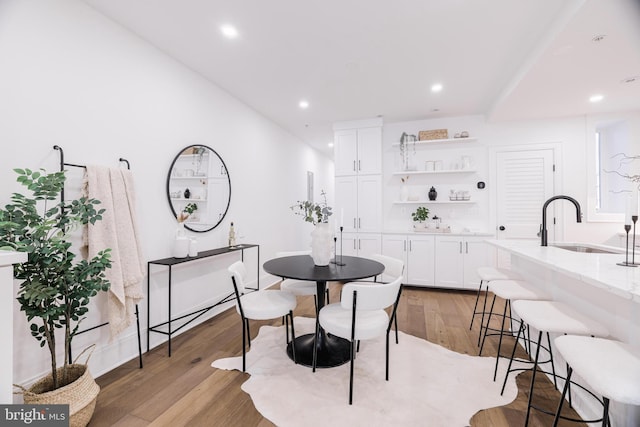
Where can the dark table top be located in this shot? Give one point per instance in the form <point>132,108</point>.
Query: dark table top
<point>301,267</point>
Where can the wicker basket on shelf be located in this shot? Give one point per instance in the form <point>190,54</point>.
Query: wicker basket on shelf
<point>426,135</point>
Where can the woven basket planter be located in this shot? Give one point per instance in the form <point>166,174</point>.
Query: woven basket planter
<point>80,394</point>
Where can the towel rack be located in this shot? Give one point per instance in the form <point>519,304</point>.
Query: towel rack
<point>62,165</point>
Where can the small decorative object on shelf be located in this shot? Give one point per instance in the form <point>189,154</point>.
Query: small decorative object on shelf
<point>404,190</point>
<point>181,243</point>
<point>187,193</point>
<point>405,139</point>
<point>419,217</point>
<point>425,135</point>
<point>459,196</point>
<point>193,247</point>
<point>232,236</point>
<point>433,194</point>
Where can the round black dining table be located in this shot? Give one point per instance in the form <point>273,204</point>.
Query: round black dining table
<point>332,350</point>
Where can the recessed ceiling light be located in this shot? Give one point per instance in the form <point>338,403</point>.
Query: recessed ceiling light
<point>596,98</point>
<point>330,145</point>
<point>229,31</point>
<point>303,104</point>
<point>436,87</point>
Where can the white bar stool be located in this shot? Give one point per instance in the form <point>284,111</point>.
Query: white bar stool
<point>549,317</point>
<point>610,368</point>
<point>489,274</point>
<point>509,290</point>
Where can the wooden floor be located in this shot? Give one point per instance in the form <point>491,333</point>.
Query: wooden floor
<point>184,389</point>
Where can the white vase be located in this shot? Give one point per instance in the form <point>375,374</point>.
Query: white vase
<point>404,193</point>
<point>181,242</point>
<point>321,241</point>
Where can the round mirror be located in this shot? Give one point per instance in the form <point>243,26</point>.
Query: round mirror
<point>199,188</point>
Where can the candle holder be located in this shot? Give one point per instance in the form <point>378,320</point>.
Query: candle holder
<point>335,258</point>
<point>626,263</point>
<point>634,219</point>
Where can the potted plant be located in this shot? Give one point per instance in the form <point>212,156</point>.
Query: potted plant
<point>187,211</point>
<point>55,290</point>
<point>315,213</point>
<point>419,217</point>
<point>318,214</point>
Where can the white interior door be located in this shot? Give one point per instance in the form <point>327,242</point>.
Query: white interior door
<point>524,181</point>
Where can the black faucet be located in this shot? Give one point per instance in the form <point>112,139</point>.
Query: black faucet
<point>543,227</point>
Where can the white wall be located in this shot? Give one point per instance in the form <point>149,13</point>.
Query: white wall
<point>574,135</point>
<point>72,77</point>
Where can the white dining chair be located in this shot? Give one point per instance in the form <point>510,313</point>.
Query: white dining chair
<point>260,305</point>
<point>360,315</point>
<point>301,287</point>
<point>393,268</point>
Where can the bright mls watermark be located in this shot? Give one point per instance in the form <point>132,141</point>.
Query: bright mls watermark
<point>34,415</point>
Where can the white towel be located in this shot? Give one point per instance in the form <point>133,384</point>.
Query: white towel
<point>118,231</point>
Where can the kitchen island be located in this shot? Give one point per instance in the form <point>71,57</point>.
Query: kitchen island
<point>593,284</point>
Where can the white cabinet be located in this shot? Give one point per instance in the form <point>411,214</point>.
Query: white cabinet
<point>421,260</point>
<point>418,254</point>
<point>449,271</point>
<point>359,244</point>
<point>477,253</point>
<point>358,203</point>
<point>457,260</point>
<point>447,261</point>
<point>358,151</point>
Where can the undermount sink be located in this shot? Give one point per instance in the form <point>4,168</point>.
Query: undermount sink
<point>586,248</point>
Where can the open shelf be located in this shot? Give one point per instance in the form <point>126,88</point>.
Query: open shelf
<point>437,141</point>
<point>440,202</point>
<point>447,171</point>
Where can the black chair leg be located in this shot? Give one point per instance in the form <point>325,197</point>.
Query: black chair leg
<point>293,338</point>
<point>605,413</point>
<point>248,333</point>
<point>351,374</point>
<point>387,358</point>
<point>475,307</point>
<point>513,353</point>
<point>504,316</point>
<point>395,321</point>
<point>533,378</point>
<point>564,393</point>
<point>486,327</point>
<point>553,366</point>
<point>484,310</point>
<point>244,351</point>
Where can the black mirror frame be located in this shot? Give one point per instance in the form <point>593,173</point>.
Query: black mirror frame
<point>175,214</point>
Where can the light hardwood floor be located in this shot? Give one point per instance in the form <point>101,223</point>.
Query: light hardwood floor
<point>184,390</point>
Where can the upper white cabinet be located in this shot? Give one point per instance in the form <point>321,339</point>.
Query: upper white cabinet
<point>358,151</point>
<point>358,201</point>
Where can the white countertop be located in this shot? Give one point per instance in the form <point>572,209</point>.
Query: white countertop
<point>430,231</point>
<point>595,269</point>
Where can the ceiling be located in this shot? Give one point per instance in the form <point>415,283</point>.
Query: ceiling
<point>360,59</point>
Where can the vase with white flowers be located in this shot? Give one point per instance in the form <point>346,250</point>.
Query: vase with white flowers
<point>321,237</point>
<point>181,243</point>
<point>404,189</point>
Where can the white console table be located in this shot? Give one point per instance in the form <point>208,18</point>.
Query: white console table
<point>7,259</point>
